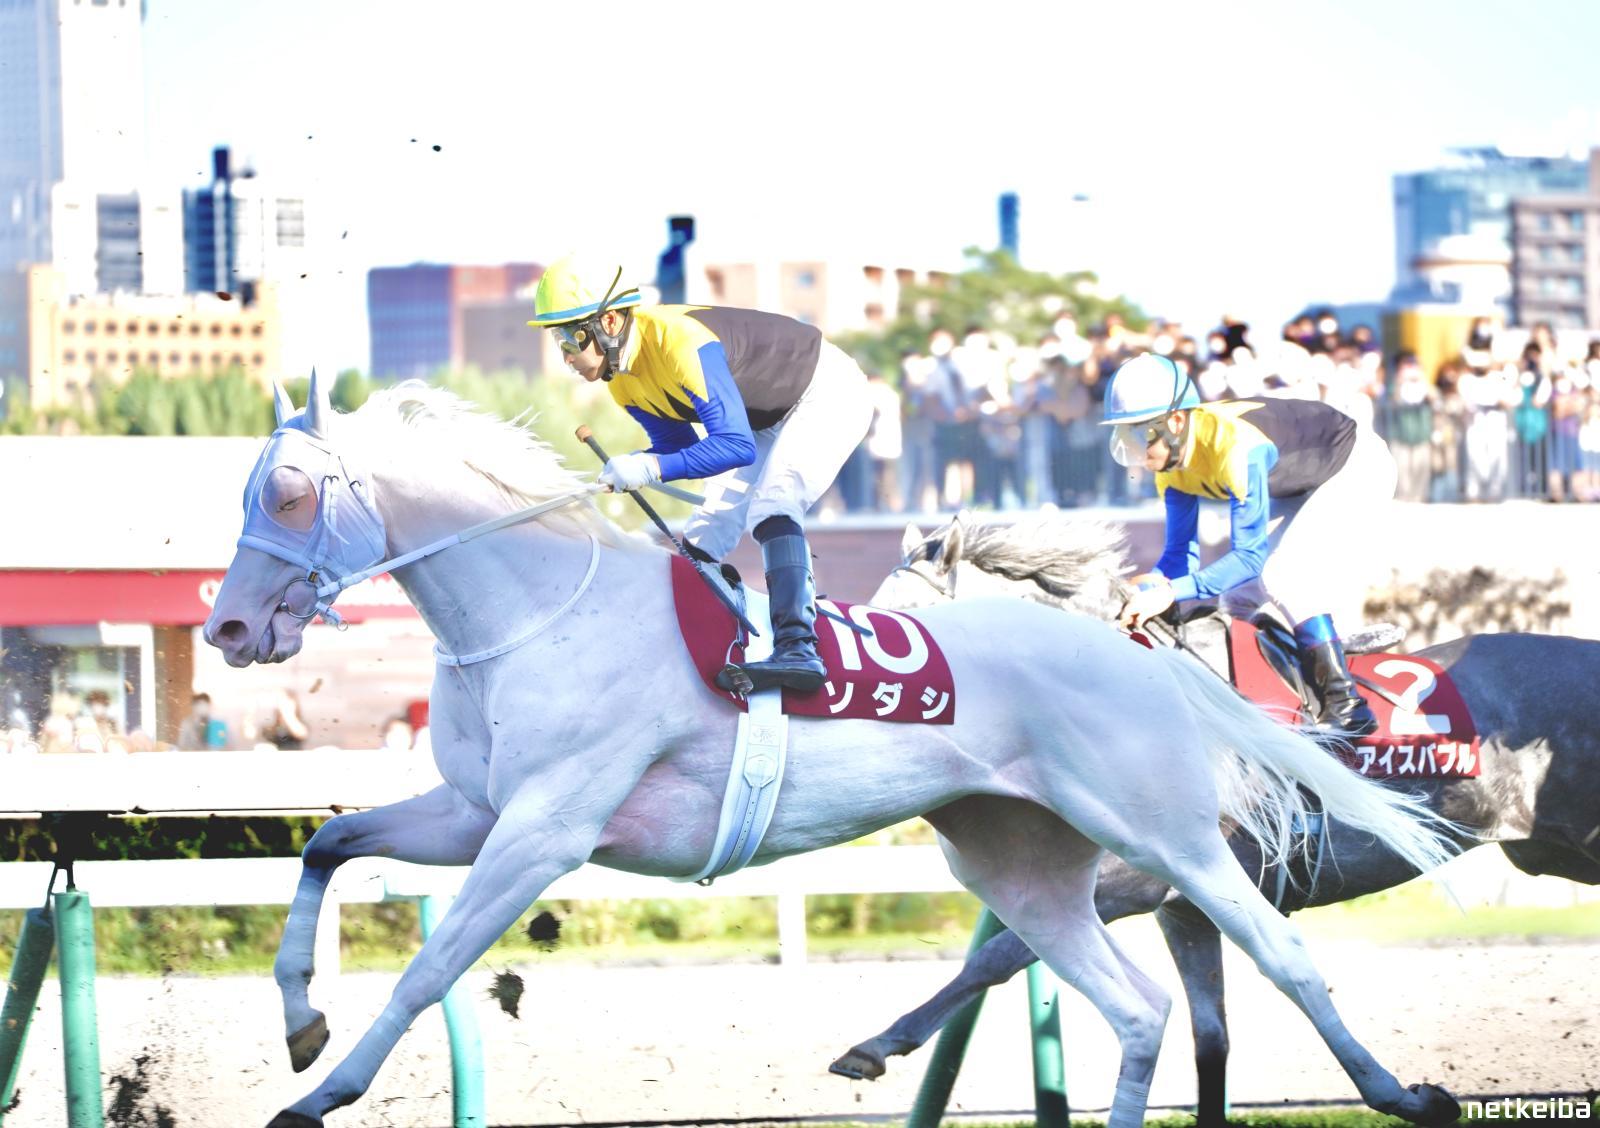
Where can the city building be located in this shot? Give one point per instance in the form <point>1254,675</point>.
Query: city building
<point>1453,223</point>
<point>1011,225</point>
<point>1555,256</point>
<point>54,342</point>
<point>105,242</point>
<point>241,228</point>
<point>496,337</point>
<point>72,149</point>
<point>672,267</point>
<point>833,295</point>
<point>418,319</point>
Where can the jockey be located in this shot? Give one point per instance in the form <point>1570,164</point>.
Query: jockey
<point>1296,473</point>
<point>781,409</point>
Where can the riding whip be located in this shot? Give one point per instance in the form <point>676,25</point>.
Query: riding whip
<point>586,436</point>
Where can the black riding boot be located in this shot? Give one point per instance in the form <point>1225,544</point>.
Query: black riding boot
<point>1323,666</point>
<point>794,663</point>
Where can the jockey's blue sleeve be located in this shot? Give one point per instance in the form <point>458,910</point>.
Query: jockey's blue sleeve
<point>1181,556</point>
<point>728,443</point>
<point>666,435</point>
<point>1248,554</point>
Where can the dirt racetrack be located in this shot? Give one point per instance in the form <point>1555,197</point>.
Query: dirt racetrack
<point>754,1040</point>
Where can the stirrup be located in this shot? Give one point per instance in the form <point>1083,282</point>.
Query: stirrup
<point>734,679</point>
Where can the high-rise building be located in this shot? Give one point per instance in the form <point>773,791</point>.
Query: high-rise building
<point>1555,257</point>
<point>1454,222</point>
<point>241,228</point>
<point>1010,225</point>
<point>417,315</point>
<point>673,264</point>
<point>72,141</point>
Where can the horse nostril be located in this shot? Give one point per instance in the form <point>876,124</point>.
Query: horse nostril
<point>231,633</point>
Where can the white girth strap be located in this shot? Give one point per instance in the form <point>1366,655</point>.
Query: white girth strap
<point>760,748</point>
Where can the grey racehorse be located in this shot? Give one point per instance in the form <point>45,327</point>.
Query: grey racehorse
<point>1537,797</point>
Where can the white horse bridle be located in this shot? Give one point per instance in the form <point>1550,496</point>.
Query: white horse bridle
<point>324,549</point>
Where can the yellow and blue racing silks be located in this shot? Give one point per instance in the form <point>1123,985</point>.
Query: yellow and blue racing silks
<point>1245,452</point>
<point>733,371</point>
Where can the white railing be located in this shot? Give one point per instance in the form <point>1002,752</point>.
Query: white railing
<point>327,780</point>
<point>271,881</point>
<point>314,782</point>
<point>322,781</point>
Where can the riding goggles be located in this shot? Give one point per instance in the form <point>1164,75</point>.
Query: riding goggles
<point>574,336</point>
<point>1130,441</point>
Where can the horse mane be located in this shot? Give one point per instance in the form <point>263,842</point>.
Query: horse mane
<point>523,469</point>
<point>1075,564</point>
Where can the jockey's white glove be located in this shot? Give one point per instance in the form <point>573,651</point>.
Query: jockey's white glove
<point>628,472</point>
<point>1149,599</point>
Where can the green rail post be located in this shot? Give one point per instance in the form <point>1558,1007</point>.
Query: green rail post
<point>80,1036</point>
<point>1049,1073</point>
<point>466,1046</point>
<point>22,996</point>
<point>933,1095</point>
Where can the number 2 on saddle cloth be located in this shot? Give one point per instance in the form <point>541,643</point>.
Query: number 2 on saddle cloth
<point>1425,729</point>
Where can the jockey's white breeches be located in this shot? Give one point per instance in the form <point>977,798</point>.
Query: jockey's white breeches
<point>796,460</point>
<point>1322,545</point>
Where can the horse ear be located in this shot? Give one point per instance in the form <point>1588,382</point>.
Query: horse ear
<point>953,542</point>
<point>908,542</point>
<point>282,405</point>
<point>319,410</point>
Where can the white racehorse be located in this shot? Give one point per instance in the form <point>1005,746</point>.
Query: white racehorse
<point>596,740</point>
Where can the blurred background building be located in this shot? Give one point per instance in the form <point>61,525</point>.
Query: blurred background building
<point>62,339</point>
<point>835,295</point>
<point>1555,256</point>
<point>427,317</point>
<point>71,163</point>
<point>1453,223</point>
<point>241,228</point>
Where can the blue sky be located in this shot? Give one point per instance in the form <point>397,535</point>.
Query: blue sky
<point>1235,156</point>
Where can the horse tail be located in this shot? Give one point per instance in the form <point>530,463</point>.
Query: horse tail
<point>1261,764</point>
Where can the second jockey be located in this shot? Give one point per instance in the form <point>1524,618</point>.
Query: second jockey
<point>1298,475</point>
<point>780,407</point>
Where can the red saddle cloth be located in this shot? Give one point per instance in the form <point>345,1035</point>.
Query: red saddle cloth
<point>896,674</point>
<point>1425,729</point>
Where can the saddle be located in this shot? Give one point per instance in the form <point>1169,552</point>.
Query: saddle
<point>1425,729</point>
<point>894,670</point>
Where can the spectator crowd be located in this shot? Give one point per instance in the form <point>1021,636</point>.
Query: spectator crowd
<point>988,421</point>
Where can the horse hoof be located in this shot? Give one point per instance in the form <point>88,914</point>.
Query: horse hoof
<point>859,1064</point>
<point>1429,1104</point>
<point>287,1119</point>
<point>305,1046</point>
